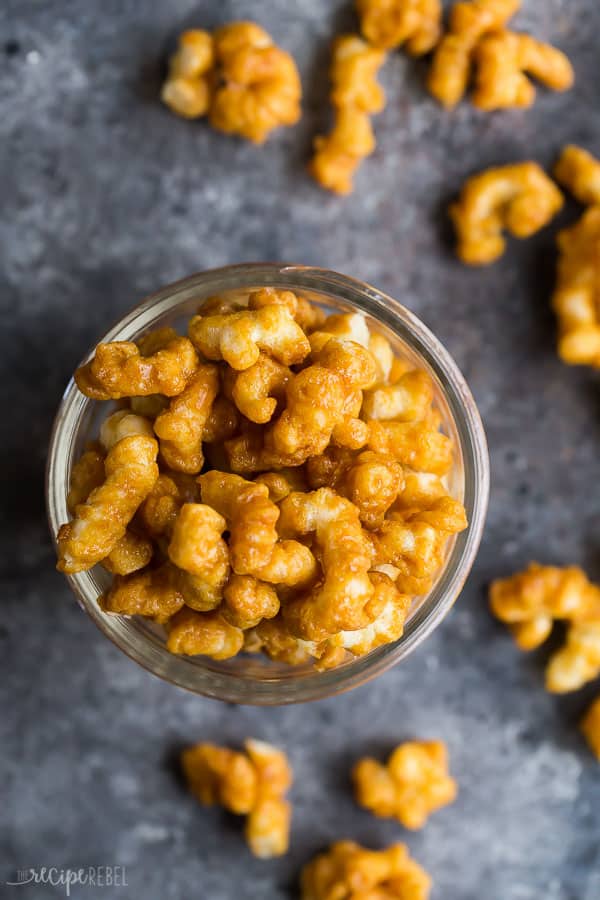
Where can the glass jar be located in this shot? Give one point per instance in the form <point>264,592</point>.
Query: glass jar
<point>252,678</point>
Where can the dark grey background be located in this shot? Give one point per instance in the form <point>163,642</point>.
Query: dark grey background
<point>105,197</point>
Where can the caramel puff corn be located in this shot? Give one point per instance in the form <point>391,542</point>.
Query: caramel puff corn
<point>348,871</point>
<point>322,403</point>
<point>307,315</point>
<point>197,548</point>
<point>181,428</point>
<point>133,551</point>
<point>125,369</point>
<point>239,337</point>
<point>388,24</point>
<point>341,600</point>
<point>187,89</point>
<point>253,783</point>
<point>503,61</point>
<point>254,542</point>
<point>530,601</point>
<point>576,299</point>
<point>579,172</point>
<point>324,400</point>
<point>153,593</point>
<point>101,521</point>
<point>519,198</point>
<point>372,481</point>
<point>453,58</point>
<point>257,85</point>
<point>590,727</point>
<point>410,786</point>
<point>355,96</point>
<point>257,391</point>
<point>578,661</point>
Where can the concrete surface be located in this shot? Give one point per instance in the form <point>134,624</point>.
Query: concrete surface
<point>106,196</point>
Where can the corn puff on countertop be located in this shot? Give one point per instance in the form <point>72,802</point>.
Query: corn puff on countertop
<point>107,196</point>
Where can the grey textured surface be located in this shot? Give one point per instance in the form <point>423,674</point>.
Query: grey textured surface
<point>105,197</point>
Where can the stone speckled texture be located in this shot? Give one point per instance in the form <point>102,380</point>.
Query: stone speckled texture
<point>105,197</point>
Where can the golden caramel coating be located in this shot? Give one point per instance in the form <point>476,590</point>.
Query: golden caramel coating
<point>161,507</point>
<point>152,593</point>
<point>248,601</point>
<point>407,400</point>
<point>251,783</point>
<point>197,548</point>
<point>268,823</point>
<point>101,521</point>
<point>530,601</point>
<point>576,299</point>
<point>519,198</point>
<point>251,518</point>
<point>579,172</point>
<point>121,424</point>
<point>273,637</point>
<point>387,626</point>
<point>219,775</point>
<point>410,786</point>
<point>121,369</point>
<point>86,475</point>
<point>393,23</point>
<point>469,22</point>
<point>503,58</point>
<point>355,94</point>
<point>349,872</point>
<point>187,88</point>
<point>239,337</point>
<point>339,154</point>
<point>329,468</point>
<point>590,727</point>
<point>282,483</point>
<point>354,75</point>
<point>416,445</point>
<point>414,548</point>
<point>149,407</point>
<point>257,84</point>
<point>382,352</point>
<point>339,602</point>
<point>257,390</point>
<point>268,828</point>
<point>247,454</point>
<point>222,423</point>
<point>345,326</point>
<point>578,662</point>
<point>132,553</point>
<point>254,543</point>
<point>192,633</point>
<point>372,481</point>
<point>307,315</point>
<point>317,396</point>
<point>180,428</point>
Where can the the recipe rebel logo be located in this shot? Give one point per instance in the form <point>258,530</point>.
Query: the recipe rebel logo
<point>90,876</point>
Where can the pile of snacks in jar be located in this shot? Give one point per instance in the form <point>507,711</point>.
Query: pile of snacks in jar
<point>275,481</point>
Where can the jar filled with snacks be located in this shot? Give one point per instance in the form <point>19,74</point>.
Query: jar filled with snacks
<point>267,483</point>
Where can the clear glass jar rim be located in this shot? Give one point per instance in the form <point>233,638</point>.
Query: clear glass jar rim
<point>231,686</point>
